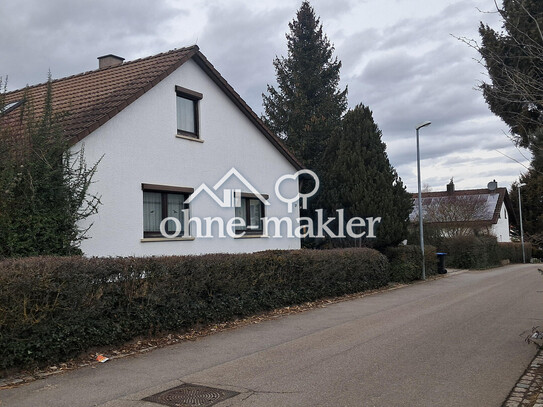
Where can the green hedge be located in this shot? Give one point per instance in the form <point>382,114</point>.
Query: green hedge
<point>513,252</point>
<point>53,308</point>
<point>537,252</point>
<point>405,262</point>
<point>472,252</point>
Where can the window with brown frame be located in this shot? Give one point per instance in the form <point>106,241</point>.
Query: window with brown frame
<point>160,202</point>
<point>187,107</point>
<point>252,211</point>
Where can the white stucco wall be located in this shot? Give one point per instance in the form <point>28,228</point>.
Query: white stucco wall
<point>139,145</point>
<point>501,228</point>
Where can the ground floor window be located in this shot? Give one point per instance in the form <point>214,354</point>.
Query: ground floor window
<point>159,204</point>
<point>251,210</point>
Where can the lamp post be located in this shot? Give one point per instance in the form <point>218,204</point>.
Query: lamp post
<point>520,215</point>
<point>420,201</point>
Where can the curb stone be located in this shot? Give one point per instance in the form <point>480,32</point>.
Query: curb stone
<point>528,392</point>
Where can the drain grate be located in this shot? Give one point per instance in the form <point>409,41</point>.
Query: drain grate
<point>191,395</point>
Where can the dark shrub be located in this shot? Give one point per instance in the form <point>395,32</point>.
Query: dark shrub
<point>472,252</point>
<point>405,262</point>
<point>467,252</point>
<point>513,252</point>
<point>53,308</point>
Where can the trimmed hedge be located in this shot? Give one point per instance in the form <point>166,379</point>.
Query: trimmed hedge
<point>472,252</point>
<point>513,252</point>
<point>53,308</point>
<point>405,262</point>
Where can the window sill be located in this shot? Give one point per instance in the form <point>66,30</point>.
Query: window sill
<point>165,239</point>
<point>189,138</point>
<point>246,236</point>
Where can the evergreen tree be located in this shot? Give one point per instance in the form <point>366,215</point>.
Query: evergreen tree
<point>307,106</point>
<point>362,181</point>
<point>514,61</point>
<point>43,185</point>
<point>532,203</point>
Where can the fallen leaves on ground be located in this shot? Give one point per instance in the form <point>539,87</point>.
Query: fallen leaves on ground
<point>143,345</point>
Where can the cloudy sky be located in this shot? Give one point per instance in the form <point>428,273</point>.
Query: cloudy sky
<point>400,58</point>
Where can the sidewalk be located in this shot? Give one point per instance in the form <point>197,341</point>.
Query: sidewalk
<point>528,392</point>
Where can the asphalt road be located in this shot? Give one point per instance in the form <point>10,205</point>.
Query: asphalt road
<point>455,341</point>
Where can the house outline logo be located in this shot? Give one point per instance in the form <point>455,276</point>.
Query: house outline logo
<point>231,197</point>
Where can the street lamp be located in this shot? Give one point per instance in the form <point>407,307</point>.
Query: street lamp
<point>520,215</point>
<point>420,200</point>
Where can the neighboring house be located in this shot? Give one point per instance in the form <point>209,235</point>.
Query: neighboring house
<point>464,212</point>
<point>166,126</point>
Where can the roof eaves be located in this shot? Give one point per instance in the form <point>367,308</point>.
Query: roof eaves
<point>210,70</point>
<point>497,209</point>
<point>509,208</point>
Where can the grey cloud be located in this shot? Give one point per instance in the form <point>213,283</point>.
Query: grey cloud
<point>446,149</point>
<point>242,45</point>
<point>406,73</point>
<point>66,36</point>
<point>355,47</point>
<point>332,9</point>
<point>407,32</point>
<point>403,87</point>
<point>502,174</point>
<point>458,159</point>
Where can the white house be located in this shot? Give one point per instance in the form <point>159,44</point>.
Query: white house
<point>487,210</point>
<point>164,127</point>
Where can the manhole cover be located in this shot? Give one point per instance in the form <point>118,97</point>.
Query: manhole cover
<point>190,395</point>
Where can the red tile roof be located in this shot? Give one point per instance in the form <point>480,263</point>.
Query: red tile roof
<point>92,98</point>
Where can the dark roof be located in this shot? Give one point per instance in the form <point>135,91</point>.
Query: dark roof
<point>491,201</point>
<point>92,98</point>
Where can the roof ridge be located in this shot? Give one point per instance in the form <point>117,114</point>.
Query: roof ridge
<point>456,191</point>
<point>53,81</point>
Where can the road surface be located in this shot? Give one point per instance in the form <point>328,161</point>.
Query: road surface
<point>455,341</point>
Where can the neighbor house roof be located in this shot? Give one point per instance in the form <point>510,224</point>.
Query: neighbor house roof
<point>489,204</point>
<point>92,98</point>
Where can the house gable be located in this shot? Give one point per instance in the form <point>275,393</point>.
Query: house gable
<point>140,147</point>
<point>92,98</point>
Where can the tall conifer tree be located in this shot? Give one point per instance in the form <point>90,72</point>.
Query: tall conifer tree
<point>307,106</point>
<point>361,180</point>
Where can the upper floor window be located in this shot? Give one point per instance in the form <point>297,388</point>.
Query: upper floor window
<point>188,121</point>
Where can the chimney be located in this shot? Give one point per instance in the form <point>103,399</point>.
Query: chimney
<point>450,187</point>
<point>109,60</point>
